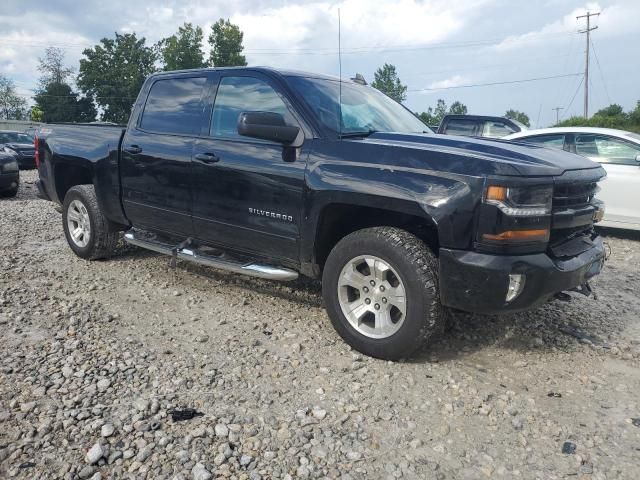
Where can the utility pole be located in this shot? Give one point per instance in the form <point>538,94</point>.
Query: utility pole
<point>586,67</point>
<point>557,109</point>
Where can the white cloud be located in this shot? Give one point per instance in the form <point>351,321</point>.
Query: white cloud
<point>616,19</point>
<point>454,81</point>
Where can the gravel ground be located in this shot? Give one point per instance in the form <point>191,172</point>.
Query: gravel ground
<point>95,355</point>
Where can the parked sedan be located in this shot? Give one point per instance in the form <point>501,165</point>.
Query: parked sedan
<point>618,152</point>
<point>9,175</point>
<point>19,144</point>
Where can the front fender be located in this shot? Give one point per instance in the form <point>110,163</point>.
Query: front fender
<point>448,201</point>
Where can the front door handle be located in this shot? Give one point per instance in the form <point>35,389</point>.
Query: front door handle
<point>206,157</point>
<point>133,149</point>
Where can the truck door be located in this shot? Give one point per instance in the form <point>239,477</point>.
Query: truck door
<point>247,193</point>
<point>156,155</point>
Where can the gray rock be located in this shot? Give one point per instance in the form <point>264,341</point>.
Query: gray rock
<point>103,384</point>
<point>107,430</point>
<point>86,471</point>
<point>94,454</point>
<point>221,430</point>
<point>199,472</point>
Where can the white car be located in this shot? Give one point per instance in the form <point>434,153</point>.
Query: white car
<point>618,152</point>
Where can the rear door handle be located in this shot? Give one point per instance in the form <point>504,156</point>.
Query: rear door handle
<point>206,157</point>
<point>133,149</point>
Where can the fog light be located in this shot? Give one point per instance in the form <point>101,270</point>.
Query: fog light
<point>516,285</point>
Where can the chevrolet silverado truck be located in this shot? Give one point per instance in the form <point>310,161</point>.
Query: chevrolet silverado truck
<point>276,174</point>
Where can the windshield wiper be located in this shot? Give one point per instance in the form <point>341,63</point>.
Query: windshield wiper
<point>364,133</point>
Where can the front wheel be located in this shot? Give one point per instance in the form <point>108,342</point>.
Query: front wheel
<point>85,227</point>
<point>380,287</point>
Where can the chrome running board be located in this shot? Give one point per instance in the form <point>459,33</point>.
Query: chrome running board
<point>252,269</point>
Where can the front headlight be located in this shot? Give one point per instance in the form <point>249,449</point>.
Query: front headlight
<point>515,219</point>
<point>521,201</point>
<point>11,166</point>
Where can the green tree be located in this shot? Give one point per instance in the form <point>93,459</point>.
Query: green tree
<point>518,116</point>
<point>226,45</point>
<point>386,80</point>
<point>59,103</point>
<point>612,116</point>
<point>112,73</point>
<point>183,49</point>
<point>52,67</point>
<point>36,114</point>
<point>458,108</point>
<point>434,115</point>
<point>12,105</point>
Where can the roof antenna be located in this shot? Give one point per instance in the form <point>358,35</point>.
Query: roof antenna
<point>340,75</point>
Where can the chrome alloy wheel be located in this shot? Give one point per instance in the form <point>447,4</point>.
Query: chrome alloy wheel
<point>372,296</point>
<point>78,223</point>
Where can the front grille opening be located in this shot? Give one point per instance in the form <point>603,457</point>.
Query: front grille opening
<point>575,195</point>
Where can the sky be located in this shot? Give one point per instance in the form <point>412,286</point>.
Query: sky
<point>449,49</point>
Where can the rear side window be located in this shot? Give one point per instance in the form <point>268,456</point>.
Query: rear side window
<point>496,129</point>
<point>461,127</point>
<point>244,94</point>
<point>174,106</point>
<point>554,141</point>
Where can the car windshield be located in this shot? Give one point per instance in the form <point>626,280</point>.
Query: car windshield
<point>364,109</point>
<point>15,137</point>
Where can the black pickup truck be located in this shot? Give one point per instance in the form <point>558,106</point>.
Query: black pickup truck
<point>267,173</point>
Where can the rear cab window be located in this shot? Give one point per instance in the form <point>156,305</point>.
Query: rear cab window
<point>495,129</point>
<point>461,127</point>
<point>174,106</point>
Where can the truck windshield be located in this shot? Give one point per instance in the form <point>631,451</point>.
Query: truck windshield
<point>365,110</point>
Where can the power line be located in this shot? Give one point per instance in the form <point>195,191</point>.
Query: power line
<point>574,96</point>
<point>606,90</point>
<point>508,82</point>
<point>318,50</point>
<point>586,67</point>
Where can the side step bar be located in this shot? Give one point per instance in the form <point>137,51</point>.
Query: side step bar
<point>252,269</point>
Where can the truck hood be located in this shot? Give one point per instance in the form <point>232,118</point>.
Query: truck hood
<point>513,157</point>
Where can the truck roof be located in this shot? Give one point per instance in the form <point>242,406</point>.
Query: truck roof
<point>267,70</point>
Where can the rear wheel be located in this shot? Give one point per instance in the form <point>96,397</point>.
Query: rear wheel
<point>85,227</point>
<point>380,287</point>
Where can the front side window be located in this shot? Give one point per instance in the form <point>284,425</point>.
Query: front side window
<point>496,129</point>
<point>553,141</point>
<point>244,94</point>
<point>606,149</point>
<point>174,106</point>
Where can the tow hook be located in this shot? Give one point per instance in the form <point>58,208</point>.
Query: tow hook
<point>563,297</point>
<point>585,289</point>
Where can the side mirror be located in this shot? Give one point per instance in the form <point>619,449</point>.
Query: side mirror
<point>268,126</point>
<point>638,159</point>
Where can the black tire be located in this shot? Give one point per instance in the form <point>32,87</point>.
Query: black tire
<point>101,242</point>
<point>425,317</point>
<point>9,193</point>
